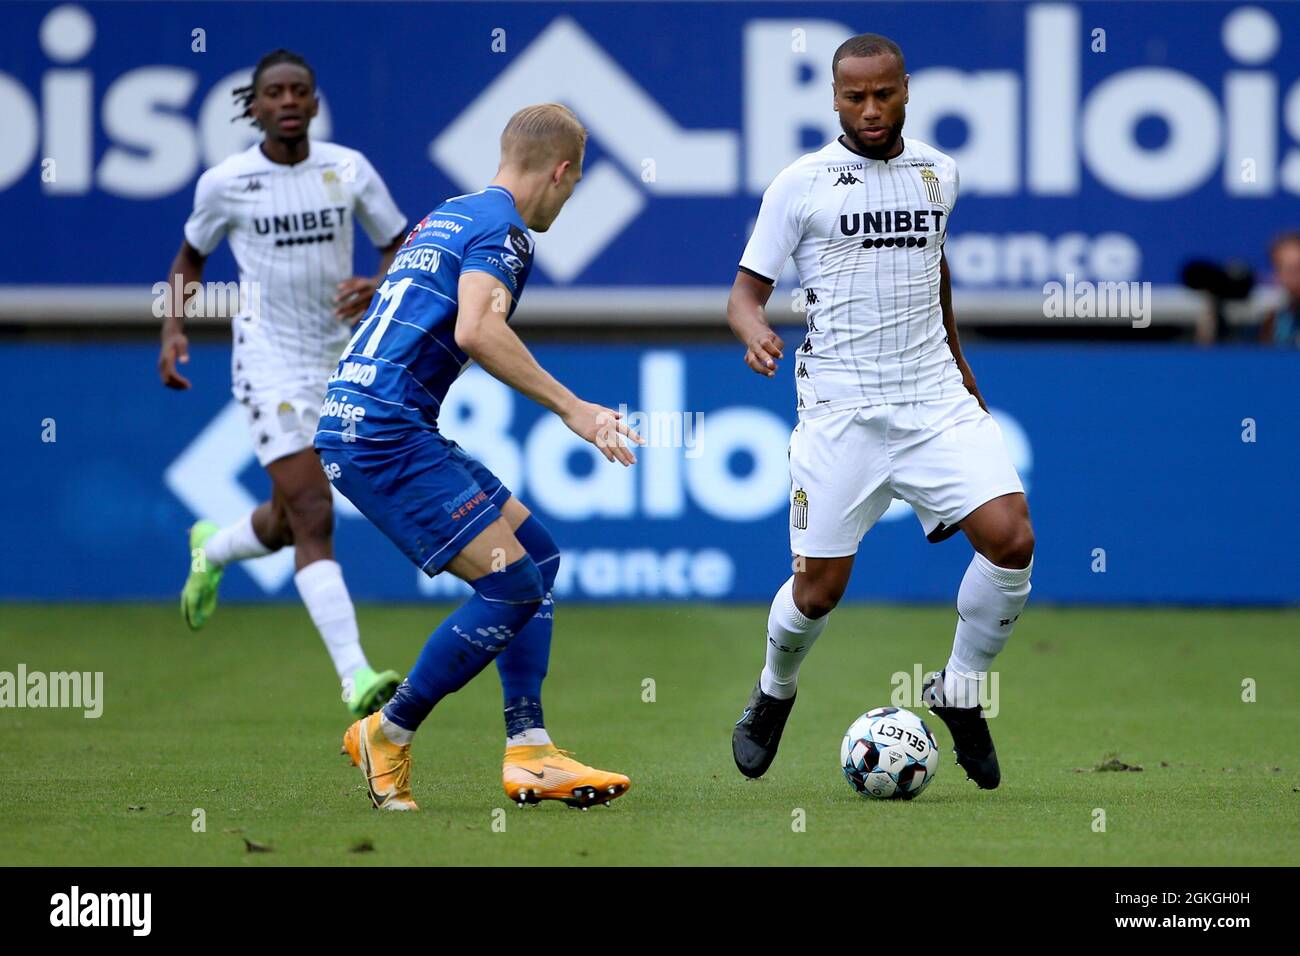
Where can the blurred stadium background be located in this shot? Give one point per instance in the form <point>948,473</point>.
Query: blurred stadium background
<point>1098,142</point>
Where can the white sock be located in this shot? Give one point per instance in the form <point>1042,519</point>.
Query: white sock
<point>532,737</point>
<point>790,635</point>
<point>326,596</point>
<point>398,735</point>
<point>235,542</point>
<point>988,603</point>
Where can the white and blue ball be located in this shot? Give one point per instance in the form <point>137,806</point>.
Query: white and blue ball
<point>889,754</point>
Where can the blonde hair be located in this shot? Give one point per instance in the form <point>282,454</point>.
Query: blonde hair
<point>542,135</point>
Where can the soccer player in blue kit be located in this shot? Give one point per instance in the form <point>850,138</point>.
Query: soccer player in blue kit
<point>447,299</point>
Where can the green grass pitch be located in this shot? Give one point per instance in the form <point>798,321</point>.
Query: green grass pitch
<point>243,723</point>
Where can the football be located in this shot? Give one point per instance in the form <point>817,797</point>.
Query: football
<point>889,754</point>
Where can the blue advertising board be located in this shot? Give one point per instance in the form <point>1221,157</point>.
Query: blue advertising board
<point>1108,141</point>
<point>1155,474</point>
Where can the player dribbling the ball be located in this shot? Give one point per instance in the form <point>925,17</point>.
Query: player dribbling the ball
<point>887,405</point>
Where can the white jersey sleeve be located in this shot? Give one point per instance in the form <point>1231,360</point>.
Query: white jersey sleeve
<point>209,221</point>
<point>779,226</point>
<point>373,205</point>
<point>952,202</point>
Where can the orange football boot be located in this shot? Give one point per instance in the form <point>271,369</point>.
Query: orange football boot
<point>385,765</point>
<point>533,774</point>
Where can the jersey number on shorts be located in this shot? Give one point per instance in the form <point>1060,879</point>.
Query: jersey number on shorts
<point>390,297</point>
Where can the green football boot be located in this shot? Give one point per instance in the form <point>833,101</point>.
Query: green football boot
<point>366,691</point>
<point>199,596</point>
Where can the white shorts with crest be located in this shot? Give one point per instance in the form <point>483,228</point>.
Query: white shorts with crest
<point>943,458</point>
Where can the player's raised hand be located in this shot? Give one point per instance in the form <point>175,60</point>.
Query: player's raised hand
<point>762,352</point>
<point>354,295</point>
<point>603,427</point>
<point>175,350</point>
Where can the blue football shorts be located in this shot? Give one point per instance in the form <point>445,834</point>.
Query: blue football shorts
<point>425,492</point>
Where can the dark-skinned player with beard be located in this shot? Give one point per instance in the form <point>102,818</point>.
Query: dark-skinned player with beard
<point>288,206</point>
<point>887,405</point>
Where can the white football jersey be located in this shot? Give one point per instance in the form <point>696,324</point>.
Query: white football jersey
<point>866,236</point>
<point>291,230</point>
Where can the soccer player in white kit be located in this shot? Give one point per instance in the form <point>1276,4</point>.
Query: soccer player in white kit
<point>287,207</point>
<point>888,407</point>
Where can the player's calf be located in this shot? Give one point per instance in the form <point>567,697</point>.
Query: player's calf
<point>791,634</point>
<point>468,640</point>
<point>989,603</point>
<point>310,515</point>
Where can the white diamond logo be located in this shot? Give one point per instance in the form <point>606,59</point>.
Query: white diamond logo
<point>565,65</point>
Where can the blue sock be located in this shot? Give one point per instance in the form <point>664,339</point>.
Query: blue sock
<point>465,643</point>
<point>522,666</point>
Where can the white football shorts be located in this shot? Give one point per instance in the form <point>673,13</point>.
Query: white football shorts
<point>282,418</point>
<point>943,458</point>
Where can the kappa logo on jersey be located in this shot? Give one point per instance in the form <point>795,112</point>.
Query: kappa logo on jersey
<point>799,510</point>
<point>847,179</point>
<point>253,185</point>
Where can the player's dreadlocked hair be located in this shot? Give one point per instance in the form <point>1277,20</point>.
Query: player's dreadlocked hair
<point>867,44</point>
<point>244,94</point>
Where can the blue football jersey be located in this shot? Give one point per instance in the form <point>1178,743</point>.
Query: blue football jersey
<point>403,357</point>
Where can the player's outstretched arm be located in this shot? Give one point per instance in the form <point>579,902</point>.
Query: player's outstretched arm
<point>748,320</point>
<point>186,273</point>
<point>482,333</point>
<point>950,326</point>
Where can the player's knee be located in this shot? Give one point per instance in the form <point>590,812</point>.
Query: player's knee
<point>541,547</point>
<point>1014,549</point>
<point>517,583</point>
<point>310,515</point>
<point>815,599</point>
<point>516,591</point>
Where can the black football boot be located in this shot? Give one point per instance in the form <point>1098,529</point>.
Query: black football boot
<point>758,732</point>
<point>971,741</point>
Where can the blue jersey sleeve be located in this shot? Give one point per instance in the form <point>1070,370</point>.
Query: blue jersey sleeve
<point>503,250</point>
